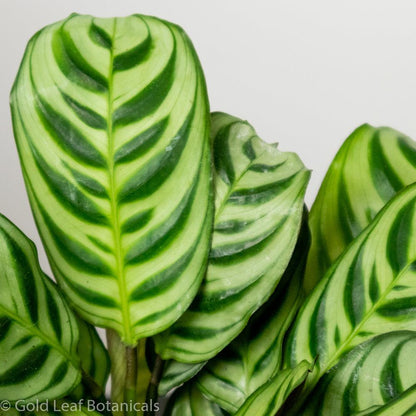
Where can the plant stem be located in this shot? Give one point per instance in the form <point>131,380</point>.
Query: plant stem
<point>123,374</point>
<point>152,391</point>
<point>143,373</point>
<point>131,378</point>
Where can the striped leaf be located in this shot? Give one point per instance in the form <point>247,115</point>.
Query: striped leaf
<point>370,168</point>
<point>259,203</point>
<point>256,355</point>
<point>111,122</point>
<point>38,332</point>
<point>95,361</point>
<point>176,373</point>
<point>188,401</point>
<point>370,290</point>
<point>270,399</point>
<point>372,374</point>
<point>404,405</point>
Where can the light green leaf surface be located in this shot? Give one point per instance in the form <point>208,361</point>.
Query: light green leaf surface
<point>270,398</point>
<point>372,165</point>
<point>256,355</point>
<point>38,332</point>
<point>370,290</point>
<point>259,203</point>
<point>404,405</point>
<point>95,361</point>
<point>176,373</point>
<point>112,125</point>
<point>188,401</point>
<point>372,374</point>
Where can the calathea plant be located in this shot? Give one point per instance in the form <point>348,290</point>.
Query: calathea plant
<point>185,236</point>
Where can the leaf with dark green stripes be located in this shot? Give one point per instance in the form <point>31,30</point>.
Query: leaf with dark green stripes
<point>38,332</point>
<point>370,290</point>
<point>370,168</point>
<point>112,125</point>
<point>95,362</point>
<point>270,399</point>
<point>256,355</point>
<point>258,345</point>
<point>259,203</point>
<point>403,405</point>
<point>188,401</point>
<point>372,374</point>
<point>176,373</point>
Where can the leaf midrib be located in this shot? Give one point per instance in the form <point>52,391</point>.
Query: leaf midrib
<point>115,212</point>
<point>32,329</point>
<point>368,315</point>
<point>236,181</point>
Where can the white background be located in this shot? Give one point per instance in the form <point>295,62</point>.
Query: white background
<point>304,73</point>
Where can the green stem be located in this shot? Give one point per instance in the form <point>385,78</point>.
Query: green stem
<point>123,374</point>
<point>131,378</point>
<point>153,389</point>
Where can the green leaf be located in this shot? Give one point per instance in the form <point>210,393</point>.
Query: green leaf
<point>188,401</point>
<point>176,373</point>
<point>270,398</point>
<point>95,362</point>
<point>372,374</point>
<point>112,125</point>
<point>372,165</point>
<point>256,355</point>
<point>404,405</point>
<point>370,290</point>
<point>10,412</point>
<point>38,332</point>
<point>259,203</point>
<point>65,408</point>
